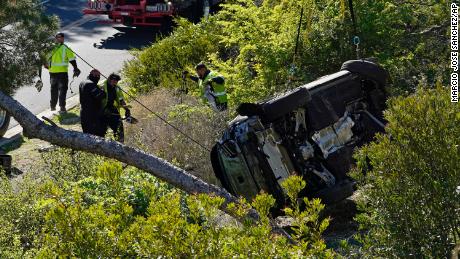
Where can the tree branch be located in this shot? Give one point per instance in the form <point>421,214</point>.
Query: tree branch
<point>432,29</point>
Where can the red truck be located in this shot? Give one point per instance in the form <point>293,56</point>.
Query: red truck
<point>156,13</point>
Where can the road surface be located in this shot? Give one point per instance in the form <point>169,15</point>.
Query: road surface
<point>113,43</point>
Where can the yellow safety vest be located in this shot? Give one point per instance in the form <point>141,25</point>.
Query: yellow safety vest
<point>219,89</point>
<point>59,59</point>
<point>118,99</point>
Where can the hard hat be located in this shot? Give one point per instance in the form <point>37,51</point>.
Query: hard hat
<point>59,34</point>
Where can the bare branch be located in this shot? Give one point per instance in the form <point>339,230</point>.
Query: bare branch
<point>432,29</point>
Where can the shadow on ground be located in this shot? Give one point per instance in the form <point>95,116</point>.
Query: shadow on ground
<point>342,225</point>
<point>12,173</point>
<point>69,118</point>
<point>129,38</point>
<point>68,11</point>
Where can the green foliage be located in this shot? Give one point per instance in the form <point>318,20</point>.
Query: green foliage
<point>110,211</point>
<point>24,38</point>
<point>409,197</point>
<point>91,217</point>
<point>20,217</point>
<point>408,38</point>
<point>307,224</point>
<point>171,227</point>
<point>68,165</point>
<point>163,62</point>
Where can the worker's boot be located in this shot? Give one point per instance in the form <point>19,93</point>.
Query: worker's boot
<point>62,110</point>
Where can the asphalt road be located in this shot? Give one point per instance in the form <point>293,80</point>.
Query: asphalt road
<point>104,45</point>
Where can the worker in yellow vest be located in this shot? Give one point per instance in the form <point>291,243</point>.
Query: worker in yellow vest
<point>112,103</point>
<point>57,64</point>
<point>212,86</point>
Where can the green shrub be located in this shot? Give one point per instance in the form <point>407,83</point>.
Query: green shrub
<point>96,218</point>
<point>69,165</point>
<point>21,217</point>
<point>108,211</point>
<point>410,200</point>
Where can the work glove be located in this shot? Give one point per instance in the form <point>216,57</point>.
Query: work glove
<point>76,72</point>
<point>127,113</point>
<point>39,85</point>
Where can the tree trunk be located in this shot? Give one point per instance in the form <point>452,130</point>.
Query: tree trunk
<point>35,128</point>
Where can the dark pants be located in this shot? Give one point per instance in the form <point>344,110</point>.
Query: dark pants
<point>115,123</point>
<point>59,86</point>
<point>92,124</point>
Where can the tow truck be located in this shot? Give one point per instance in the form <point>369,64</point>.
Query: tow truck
<point>151,13</point>
<point>135,13</point>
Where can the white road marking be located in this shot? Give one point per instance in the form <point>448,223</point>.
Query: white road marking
<point>80,22</point>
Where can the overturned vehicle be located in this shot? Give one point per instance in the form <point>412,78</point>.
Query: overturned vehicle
<point>310,131</point>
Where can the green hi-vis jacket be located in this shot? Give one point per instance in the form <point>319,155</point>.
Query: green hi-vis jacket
<point>59,59</point>
<point>118,100</point>
<point>219,89</point>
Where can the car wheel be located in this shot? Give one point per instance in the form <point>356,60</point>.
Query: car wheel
<point>367,69</point>
<point>284,104</point>
<point>4,122</point>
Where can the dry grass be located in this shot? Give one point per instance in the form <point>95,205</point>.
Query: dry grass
<point>198,121</point>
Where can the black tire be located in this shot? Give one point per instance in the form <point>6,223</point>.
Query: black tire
<point>368,70</point>
<point>340,191</point>
<point>4,122</point>
<point>282,105</point>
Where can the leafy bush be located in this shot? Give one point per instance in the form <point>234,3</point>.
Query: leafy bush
<point>21,219</point>
<point>410,200</point>
<point>174,225</point>
<point>110,211</point>
<point>69,165</point>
